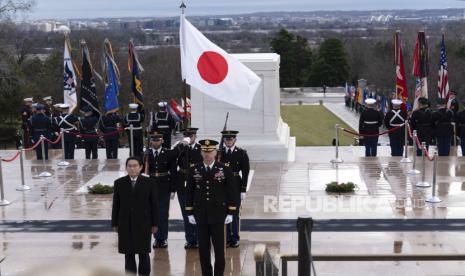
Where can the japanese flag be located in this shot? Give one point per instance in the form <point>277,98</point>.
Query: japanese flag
<point>211,70</point>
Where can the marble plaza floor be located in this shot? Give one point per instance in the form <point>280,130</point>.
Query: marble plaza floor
<point>278,194</point>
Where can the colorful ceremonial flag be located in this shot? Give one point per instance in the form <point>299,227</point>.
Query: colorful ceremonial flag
<point>111,79</point>
<point>188,106</point>
<point>135,68</point>
<point>214,72</point>
<point>401,82</point>
<point>173,113</point>
<point>69,83</point>
<point>420,68</point>
<point>443,81</point>
<point>88,95</point>
<point>177,108</point>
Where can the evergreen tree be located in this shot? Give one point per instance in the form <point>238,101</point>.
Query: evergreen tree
<point>330,67</point>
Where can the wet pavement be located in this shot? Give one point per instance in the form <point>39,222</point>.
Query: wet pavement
<point>278,191</point>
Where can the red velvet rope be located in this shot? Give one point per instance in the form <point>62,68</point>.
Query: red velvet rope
<point>34,146</point>
<point>12,158</point>
<point>417,141</point>
<point>54,142</point>
<point>371,135</point>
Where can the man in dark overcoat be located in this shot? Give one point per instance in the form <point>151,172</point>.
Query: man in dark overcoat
<point>135,216</point>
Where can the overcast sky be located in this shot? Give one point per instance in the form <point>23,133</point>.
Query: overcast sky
<point>118,8</point>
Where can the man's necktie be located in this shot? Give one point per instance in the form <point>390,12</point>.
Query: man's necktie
<point>229,152</point>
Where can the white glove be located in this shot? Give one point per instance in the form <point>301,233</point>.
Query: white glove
<point>229,219</point>
<point>146,175</point>
<point>191,219</point>
<point>186,141</point>
<point>242,196</point>
<point>172,195</point>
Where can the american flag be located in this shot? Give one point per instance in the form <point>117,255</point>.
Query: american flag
<point>443,82</point>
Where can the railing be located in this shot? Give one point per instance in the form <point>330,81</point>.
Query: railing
<point>266,266</point>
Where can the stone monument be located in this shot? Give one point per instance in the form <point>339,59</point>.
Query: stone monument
<point>262,131</point>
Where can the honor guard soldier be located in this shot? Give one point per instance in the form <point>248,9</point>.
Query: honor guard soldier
<point>460,120</point>
<point>88,129</point>
<point>453,103</point>
<point>163,122</point>
<point>370,121</point>
<point>237,160</point>
<point>210,204</point>
<point>55,113</point>
<point>421,122</point>
<point>40,126</point>
<point>26,114</point>
<point>160,164</point>
<point>188,155</point>
<point>396,118</point>
<point>48,102</point>
<point>443,130</point>
<point>135,118</point>
<point>109,125</point>
<point>68,122</point>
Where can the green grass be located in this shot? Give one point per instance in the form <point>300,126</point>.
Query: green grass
<point>313,125</point>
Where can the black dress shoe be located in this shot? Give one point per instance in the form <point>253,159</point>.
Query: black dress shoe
<point>228,244</point>
<point>155,245</point>
<point>234,244</point>
<point>190,245</point>
<point>163,244</point>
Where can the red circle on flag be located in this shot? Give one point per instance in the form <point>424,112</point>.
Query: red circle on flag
<point>212,67</point>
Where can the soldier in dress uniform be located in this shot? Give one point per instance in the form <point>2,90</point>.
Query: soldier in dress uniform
<point>48,103</point>
<point>68,122</point>
<point>421,122</point>
<point>370,121</point>
<point>55,113</point>
<point>238,161</point>
<point>396,118</point>
<point>26,114</point>
<point>160,164</point>
<point>210,204</point>
<point>40,125</point>
<point>109,125</point>
<point>88,128</point>
<point>163,122</point>
<point>460,121</point>
<point>188,155</point>
<point>453,103</point>
<point>443,130</point>
<point>135,118</point>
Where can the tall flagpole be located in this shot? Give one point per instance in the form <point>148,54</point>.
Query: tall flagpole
<point>184,86</point>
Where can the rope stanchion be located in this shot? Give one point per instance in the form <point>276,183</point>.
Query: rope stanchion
<point>337,159</point>
<point>3,201</point>
<point>434,198</point>
<point>23,186</point>
<point>45,173</point>
<point>405,159</point>
<point>414,171</point>
<point>423,183</point>
<point>63,162</point>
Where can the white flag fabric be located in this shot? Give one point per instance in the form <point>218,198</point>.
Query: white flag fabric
<point>211,70</point>
<point>69,83</point>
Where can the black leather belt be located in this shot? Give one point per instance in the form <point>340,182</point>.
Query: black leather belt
<point>159,174</point>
